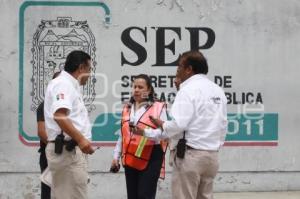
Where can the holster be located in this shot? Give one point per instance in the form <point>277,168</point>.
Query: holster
<point>59,143</point>
<point>181,148</point>
<point>70,145</point>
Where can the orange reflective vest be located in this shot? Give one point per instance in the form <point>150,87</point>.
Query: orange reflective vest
<point>136,149</point>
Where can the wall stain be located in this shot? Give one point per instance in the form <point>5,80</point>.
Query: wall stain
<point>178,3</point>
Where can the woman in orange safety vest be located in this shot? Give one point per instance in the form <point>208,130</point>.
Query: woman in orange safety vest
<point>142,158</point>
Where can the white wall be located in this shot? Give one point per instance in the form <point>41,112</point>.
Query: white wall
<point>256,43</point>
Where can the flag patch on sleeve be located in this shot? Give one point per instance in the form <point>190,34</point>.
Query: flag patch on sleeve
<point>60,96</point>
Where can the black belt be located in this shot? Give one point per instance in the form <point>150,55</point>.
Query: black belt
<point>70,144</point>
<point>65,141</point>
<point>191,148</point>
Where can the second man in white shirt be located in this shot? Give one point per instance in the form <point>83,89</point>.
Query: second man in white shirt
<point>199,111</point>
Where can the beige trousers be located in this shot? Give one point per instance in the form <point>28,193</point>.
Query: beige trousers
<point>192,177</point>
<point>69,173</point>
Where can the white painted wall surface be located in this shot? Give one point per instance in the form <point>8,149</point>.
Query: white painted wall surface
<point>257,44</point>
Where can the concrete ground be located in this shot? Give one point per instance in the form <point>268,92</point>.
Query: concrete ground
<point>259,195</point>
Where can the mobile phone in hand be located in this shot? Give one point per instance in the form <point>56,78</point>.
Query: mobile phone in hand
<point>131,125</point>
<point>115,169</point>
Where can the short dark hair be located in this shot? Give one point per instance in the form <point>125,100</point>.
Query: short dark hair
<point>74,59</point>
<point>195,59</point>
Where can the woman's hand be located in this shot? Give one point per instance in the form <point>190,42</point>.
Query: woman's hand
<point>115,166</point>
<point>138,131</point>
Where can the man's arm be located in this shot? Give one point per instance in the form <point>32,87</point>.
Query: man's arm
<point>42,131</point>
<point>224,122</point>
<point>182,113</point>
<point>157,134</point>
<point>41,128</point>
<point>61,117</point>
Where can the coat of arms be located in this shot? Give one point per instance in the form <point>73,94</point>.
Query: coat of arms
<point>52,42</point>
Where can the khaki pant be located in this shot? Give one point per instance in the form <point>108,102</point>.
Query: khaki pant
<point>193,176</point>
<point>69,173</point>
<point>172,157</point>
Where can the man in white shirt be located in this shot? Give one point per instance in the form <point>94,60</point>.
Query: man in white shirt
<point>66,119</point>
<point>200,111</point>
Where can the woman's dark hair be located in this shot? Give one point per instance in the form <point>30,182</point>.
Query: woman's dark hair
<point>196,60</point>
<point>74,59</point>
<point>149,85</point>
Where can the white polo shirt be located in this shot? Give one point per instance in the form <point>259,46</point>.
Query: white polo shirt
<point>199,109</point>
<point>64,92</point>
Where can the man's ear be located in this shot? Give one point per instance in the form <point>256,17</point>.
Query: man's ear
<point>189,70</point>
<point>81,67</point>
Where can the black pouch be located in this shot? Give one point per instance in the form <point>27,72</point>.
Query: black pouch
<point>180,148</point>
<point>59,143</point>
<point>70,145</point>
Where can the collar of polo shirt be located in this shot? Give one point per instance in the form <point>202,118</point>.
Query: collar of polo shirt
<point>196,76</point>
<point>71,78</point>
